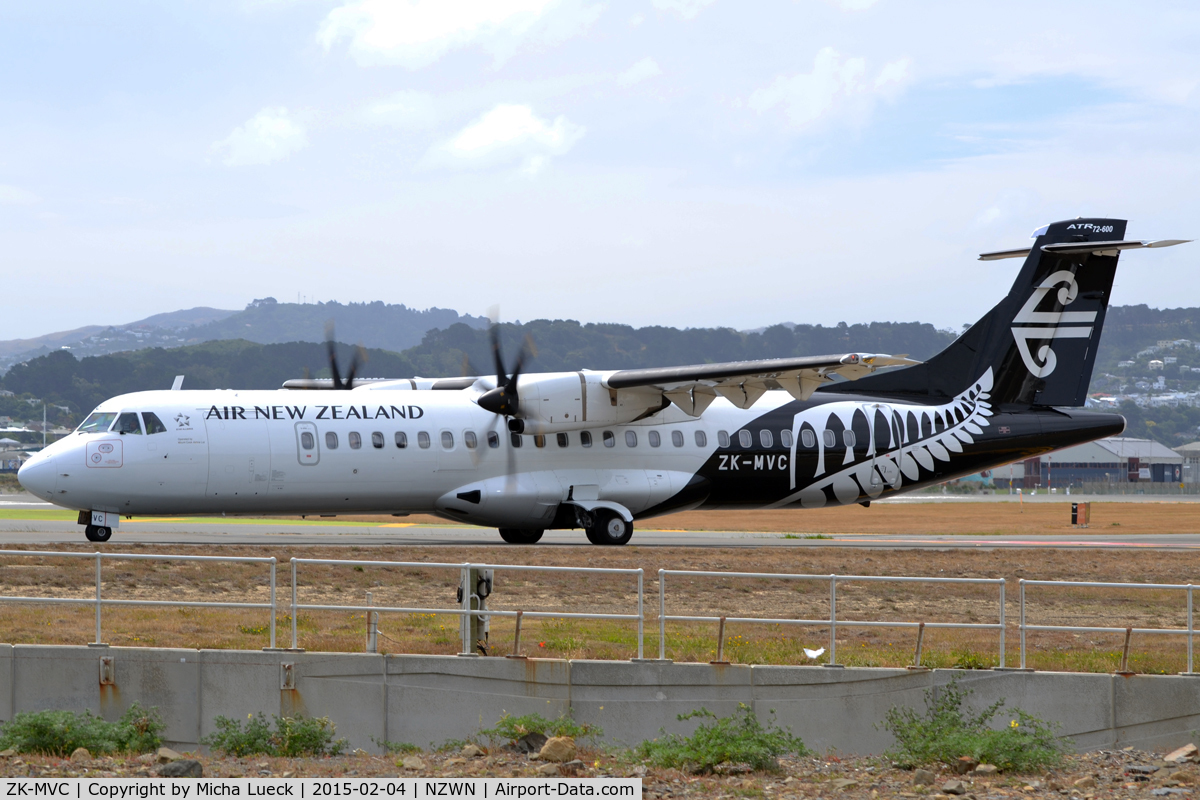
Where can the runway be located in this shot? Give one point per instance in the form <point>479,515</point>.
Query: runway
<point>43,532</point>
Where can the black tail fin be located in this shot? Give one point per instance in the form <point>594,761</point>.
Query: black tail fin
<point>1040,342</point>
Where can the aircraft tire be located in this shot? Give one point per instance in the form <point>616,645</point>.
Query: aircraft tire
<point>609,529</point>
<point>521,535</point>
<point>96,533</point>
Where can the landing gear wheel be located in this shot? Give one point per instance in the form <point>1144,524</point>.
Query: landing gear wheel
<point>521,535</point>
<point>96,533</point>
<point>609,528</point>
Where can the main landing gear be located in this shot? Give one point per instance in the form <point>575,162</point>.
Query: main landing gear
<point>608,527</point>
<point>95,533</point>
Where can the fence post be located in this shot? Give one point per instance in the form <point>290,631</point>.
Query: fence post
<point>641,616</point>
<point>273,610</point>
<point>920,641</point>
<point>464,619</point>
<point>1191,630</point>
<point>372,627</point>
<point>1124,670</point>
<point>295,614</point>
<point>662,615</point>
<point>99,640</point>
<point>516,653</point>
<point>832,621</point>
<point>1002,624</point>
<point>1022,584</point>
<point>720,642</point>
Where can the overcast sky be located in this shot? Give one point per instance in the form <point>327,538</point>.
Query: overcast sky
<point>675,162</point>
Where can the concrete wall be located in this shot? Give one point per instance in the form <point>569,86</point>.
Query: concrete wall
<point>428,699</point>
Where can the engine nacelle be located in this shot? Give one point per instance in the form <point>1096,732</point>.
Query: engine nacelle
<point>568,401</point>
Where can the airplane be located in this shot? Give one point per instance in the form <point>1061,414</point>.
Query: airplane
<point>597,450</point>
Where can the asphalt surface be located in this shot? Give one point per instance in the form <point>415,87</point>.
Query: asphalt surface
<point>282,532</point>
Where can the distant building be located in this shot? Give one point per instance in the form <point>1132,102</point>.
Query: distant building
<point>1191,462</point>
<point>1126,363</point>
<point>1155,364</point>
<point>1118,459</point>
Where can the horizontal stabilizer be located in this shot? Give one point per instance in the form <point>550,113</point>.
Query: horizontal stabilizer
<point>1071,248</point>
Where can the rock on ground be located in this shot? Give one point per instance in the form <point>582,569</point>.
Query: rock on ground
<point>559,749</point>
<point>182,768</point>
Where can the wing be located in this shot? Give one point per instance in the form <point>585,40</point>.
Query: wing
<point>743,382</point>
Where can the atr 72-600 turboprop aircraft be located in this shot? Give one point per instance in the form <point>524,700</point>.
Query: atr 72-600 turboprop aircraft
<point>597,450</point>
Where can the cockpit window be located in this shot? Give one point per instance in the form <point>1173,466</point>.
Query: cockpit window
<point>97,422</point>
<point>153,423</point>
<point>128,423</point>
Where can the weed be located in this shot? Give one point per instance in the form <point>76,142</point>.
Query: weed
<point>946,732</point>
<point>969,659</point>
<point>511,728</point>
<point>254,630</point>
<point>449,745</point>
<point>737,739</point>
<point>396,747</point>
<point>817,536</point>
<point>61,732</point>
<point>292,737</point>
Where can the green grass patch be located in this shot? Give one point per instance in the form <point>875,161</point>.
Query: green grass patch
<point>291,737</point>
<point>737,739</point>
<point>59,733</point>
<point>511,728</point>
<point>396,747</point>
<point>946,732</point>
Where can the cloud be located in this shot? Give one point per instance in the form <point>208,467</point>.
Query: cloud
<point>646,68</point>
<point>16,196</point>
<point>416,33</point>
<point>687,9</point>
<point>407,110</point>
<point>268,136</point>
<point>505,135</point>
<point>837,86</point>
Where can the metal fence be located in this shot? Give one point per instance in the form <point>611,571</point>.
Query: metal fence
<point>465,610</point>
<point>832,621</point>
<point>99,601</point>
<point>1189,632</point>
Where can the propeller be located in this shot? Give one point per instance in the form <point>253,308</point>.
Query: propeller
<point>505,399</point>
<point>360,355</point>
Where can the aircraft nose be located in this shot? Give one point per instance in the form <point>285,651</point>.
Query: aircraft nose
<point>38,477</point>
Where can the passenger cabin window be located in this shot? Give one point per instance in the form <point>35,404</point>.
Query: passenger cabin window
<point>97,422</point>
<point>610,439</point>
<point>423,440</point>
<point>153,423</point>
<point>517,441</point>
<point>655,439</point>
<point>785,439</point>
<point>830,438</point>
<point>401,439</point>
<point>493,439</point>
<point>355,440</point>
<point>745,439</point>
<point>766,438</point>
<point>563,440</point>
<point>585,438</point>
<point>331,440</point>
<point>631,438</point>
<point>701,439</point>
<point>469,440</point>
<point>377,440</point>
<point>808,438</point>
<point>677,438</point>
<point>447,440</point>
<point>723,438</point>
<point>128,423</point>
<point>307,441</point>
<point>848,438</point>
<point>539,440</point>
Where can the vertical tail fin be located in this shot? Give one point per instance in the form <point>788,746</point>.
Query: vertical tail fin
<point>1040,341</point>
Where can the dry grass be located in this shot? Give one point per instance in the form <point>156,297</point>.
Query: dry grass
<point>747,643</point>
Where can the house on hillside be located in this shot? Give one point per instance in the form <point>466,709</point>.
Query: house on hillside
<point>1191,462</point>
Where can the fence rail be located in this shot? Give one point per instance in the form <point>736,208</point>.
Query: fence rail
<point>465,611</point>
<point>832,620</point>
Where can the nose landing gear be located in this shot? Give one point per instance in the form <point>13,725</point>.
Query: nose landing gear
<point>96,533</point>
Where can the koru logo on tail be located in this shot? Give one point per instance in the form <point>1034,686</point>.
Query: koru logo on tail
<point>1031,325</point>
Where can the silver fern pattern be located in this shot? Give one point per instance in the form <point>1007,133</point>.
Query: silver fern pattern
<point>918,437</point>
